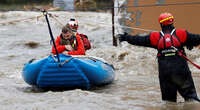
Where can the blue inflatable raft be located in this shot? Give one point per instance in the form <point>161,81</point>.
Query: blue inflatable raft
<point>71,72</point>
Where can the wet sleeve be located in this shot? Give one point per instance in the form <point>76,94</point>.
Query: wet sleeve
<point>60,48</point>
<point>192,40</point>
<point>140,40</point>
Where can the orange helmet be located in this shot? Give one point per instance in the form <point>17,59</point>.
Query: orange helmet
<point>73,24</point>
<point>166,19</point>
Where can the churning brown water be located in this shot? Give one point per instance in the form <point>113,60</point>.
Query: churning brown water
<point>136,86</point>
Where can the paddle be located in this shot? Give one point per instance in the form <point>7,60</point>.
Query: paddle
<point>50,32</point>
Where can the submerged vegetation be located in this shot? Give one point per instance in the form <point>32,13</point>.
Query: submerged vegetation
<point>24,1</point>
<point>80,5</point>
<point>93,5</point>
<point>21,5</point>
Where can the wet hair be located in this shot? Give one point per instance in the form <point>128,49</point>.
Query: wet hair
<point>68,25</point>
<point>66,29</point>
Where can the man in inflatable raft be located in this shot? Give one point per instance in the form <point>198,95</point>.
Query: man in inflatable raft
<point>68,43</point>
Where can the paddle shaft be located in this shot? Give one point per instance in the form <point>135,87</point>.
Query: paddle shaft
<point>51,35</point>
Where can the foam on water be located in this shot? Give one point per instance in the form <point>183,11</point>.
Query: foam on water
<point>136,85</point>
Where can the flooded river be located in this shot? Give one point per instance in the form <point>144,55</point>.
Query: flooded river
<point>136,86</point>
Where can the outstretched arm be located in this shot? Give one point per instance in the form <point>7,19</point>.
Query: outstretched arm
<point>192,40</point>
<point>140,40</point>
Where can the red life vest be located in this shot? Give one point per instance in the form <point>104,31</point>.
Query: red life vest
<point>168,40</point>
<point>165,42</point>
<point>86,42</point>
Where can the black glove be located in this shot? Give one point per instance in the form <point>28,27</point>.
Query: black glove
<point>122,37</point>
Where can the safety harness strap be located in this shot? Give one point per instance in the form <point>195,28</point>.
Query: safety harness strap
<point>188,60</point>
<point>181,54</point>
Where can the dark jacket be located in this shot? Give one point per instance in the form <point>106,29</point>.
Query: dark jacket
<point>174,73</point>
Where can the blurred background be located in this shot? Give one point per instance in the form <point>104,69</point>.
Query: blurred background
<point>24,35</point>
<point>33,5</point>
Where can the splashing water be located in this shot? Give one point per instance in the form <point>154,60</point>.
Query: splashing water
<point>136,86</point>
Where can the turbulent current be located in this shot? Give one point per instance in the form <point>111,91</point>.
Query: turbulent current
<point>136,86</point>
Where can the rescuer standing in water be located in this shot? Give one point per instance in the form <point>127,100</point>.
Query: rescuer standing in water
<point>174,73</point>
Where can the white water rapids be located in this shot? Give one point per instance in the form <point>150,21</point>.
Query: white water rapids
<point>136,86</point>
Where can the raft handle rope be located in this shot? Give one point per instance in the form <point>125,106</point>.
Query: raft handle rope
<point>66,61</point>
<point>91,58</point>
<point>181,54</point>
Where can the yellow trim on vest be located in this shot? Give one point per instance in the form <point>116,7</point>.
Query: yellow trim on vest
<point>166,19</point>
<point>170,54</point>
<point>74,43</point>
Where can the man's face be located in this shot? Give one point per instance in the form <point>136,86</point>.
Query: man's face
<point>67,35</point>
<point>74,27</point>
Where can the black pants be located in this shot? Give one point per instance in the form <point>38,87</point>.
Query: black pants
<point>174,75</point>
